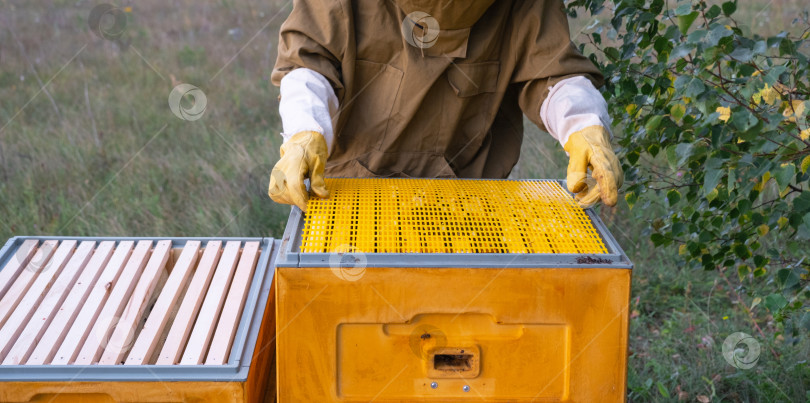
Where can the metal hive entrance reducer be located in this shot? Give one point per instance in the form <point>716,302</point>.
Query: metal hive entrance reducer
<point>494,290</point>
<point>135,319</point>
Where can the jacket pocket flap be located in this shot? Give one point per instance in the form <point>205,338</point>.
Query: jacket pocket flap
<point>468,79</point>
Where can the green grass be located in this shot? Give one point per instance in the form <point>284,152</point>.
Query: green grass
<point>116,161</point>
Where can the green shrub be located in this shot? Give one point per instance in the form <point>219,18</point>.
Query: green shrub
<point>712,121</point>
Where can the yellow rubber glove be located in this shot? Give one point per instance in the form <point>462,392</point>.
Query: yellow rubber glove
<point>302,156</point>
<point>590,148</point>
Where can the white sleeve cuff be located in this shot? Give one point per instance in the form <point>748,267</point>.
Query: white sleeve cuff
<point>572,105</point>
<point>308,103</point>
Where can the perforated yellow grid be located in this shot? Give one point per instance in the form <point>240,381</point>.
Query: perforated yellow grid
<point>447,216</point>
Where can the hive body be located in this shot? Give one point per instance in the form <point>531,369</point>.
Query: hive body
<point>442,290</point>
<point>91,319</point>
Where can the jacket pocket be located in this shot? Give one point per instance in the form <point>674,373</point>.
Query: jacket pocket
<point>470,79</point>
<point>468,110</point>
<point>375,89</point>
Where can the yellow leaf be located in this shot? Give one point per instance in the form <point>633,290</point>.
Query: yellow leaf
<point>725,113</point>
<point>805,134</point>
<point>782,221</point>
<point>805,164</point>
<point>630,108</point>
<point>756,73</point>
<point>763,229</point>
<point>796,108</point>
<point>767,94</point>
<point>682,250</point>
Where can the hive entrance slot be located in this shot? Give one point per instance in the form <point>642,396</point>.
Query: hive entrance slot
<point>452,362</point>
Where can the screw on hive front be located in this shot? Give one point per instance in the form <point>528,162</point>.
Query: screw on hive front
<point>493,290</point>
<point>134,319</point>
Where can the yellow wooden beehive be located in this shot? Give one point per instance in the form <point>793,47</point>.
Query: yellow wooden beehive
<point>442,290</point>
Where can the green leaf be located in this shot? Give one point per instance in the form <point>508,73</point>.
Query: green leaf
<point>662,390</point>
<point>714,171</point>
<point>787,279</point>
<point>653,123</point>
<point>685,21</point>
<point>775,302</point>
<point>677,111</point>
<point>678,154</point>
<point>673,196</point>
<point>683,9</point>
<point>729,8</point>
<point>802,203</point>
<point>784,175</point>
<point>743,271</point>
<point>658,239</point>
<point>742,251</point>
<point>631,198</point>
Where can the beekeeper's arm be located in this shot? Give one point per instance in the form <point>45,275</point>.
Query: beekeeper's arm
<point>559,95</point>
<point>311,44</point>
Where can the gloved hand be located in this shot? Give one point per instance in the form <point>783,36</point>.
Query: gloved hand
<point>590,148</point>
<point>302,156</point>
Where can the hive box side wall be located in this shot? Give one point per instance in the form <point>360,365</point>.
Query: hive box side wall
<point>90,392</point>
<point>341,340</point>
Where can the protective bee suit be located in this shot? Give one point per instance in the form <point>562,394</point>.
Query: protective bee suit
<point>417,88</point>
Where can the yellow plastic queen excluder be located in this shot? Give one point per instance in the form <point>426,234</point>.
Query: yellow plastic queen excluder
<point>442,290</point>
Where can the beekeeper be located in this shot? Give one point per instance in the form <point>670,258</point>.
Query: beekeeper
<point>428,88</point>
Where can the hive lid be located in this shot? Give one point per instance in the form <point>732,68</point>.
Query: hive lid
<point>448,222</point>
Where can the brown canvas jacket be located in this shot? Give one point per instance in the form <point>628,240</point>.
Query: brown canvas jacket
<point>449,110</point>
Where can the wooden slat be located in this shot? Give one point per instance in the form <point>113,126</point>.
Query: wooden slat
<point>148,339</point>
<point>184,319</point>
<point>29,303</point>
<point>56,331</point>
<point>108,317</point>
<point>80,329</point>
<point>212,305</point>
<point>15,265</point>
<point>124,333</point>
<point>24,280</point>
<point>234,303</point>
<point>48,307</point>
